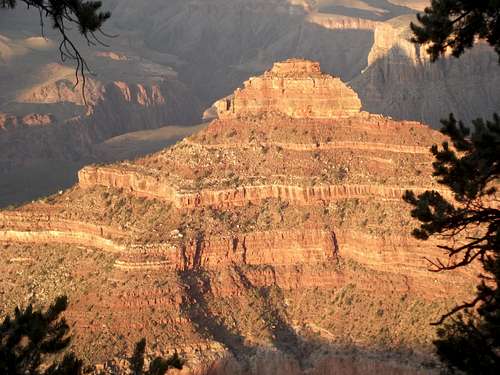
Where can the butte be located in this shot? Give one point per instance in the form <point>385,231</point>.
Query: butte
<point>276,235</point>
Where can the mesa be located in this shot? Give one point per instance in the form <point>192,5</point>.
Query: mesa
<point>277,231</point>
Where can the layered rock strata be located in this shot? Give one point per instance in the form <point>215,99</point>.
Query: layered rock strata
<point>295,88</point>
<point>264,232</point>
<point>116,108</point>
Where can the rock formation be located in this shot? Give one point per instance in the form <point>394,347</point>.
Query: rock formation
<point>365,43</point>
<point>45,121</point>
<point>295,88</point>
<point>197,53</point>
<point>272,233</point>
<point>114,108</point>
<point>400,81</point>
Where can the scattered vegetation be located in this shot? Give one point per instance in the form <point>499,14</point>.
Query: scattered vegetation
<point>30,339</point>
<point>469,338</point>
<point>470,169</point>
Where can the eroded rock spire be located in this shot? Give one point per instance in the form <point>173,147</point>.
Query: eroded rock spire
<point>296,88</point>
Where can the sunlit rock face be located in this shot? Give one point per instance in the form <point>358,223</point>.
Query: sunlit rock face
<point>198,51</point>
<point>365,43</point>
<point>295,88</point>
<point>273,234</point>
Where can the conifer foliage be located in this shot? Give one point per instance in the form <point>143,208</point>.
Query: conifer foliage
<point>470,339</point>
<point>31,338</point>
<point>468,335</point>
<point>456,25</point>
<point>63,15</point>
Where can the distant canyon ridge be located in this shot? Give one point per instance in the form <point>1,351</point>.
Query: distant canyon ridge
<point>169,70</point>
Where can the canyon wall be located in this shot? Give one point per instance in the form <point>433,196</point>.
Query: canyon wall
<point>262,233</point>
<point>218,53</point>
<point>203,55</point>
<point>401,81</point>
<point>154,187</point>
<point>364,44</point>
<point>193,53</point>
<point>119,108</point>
<point>45,120</point>
<point>284,250</point>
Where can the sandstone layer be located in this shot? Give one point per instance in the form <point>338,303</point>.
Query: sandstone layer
<point>264,235</point>
<point>295,88</point>
<point>364,42</point>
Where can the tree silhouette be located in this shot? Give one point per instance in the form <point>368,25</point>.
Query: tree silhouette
<point>158,366</point>
<point>470,169</point>
<point>31,337</point>
<point>63,14</point>
<point>456,25</point>
<point>469,335</point>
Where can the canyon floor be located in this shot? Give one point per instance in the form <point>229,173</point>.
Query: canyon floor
<point>274,240</point>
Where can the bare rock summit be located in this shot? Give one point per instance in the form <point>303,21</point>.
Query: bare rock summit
<point>296,88</point>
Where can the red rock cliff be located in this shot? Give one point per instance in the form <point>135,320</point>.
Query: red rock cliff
<point>296,88</point>
<point>272,228</point>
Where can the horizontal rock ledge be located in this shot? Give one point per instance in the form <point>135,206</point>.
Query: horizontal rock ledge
<point>158,188</point>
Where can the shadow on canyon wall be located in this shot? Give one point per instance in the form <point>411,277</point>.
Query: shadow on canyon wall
<point>216,45</point>
<point>195,305</point>
<point>418,86</point>
<point>48,176</point>
<point>252,322</point>
<point>287,351</point>
<point>377,10</point>
<point>219,44</point>
<point>230,43</point>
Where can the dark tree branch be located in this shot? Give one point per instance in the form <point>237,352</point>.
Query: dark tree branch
<point>84,14</point>
<point>465,305</point>
<point>471,223</point>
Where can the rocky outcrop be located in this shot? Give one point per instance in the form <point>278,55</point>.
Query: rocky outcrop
<point>361,43</point>
<point>400,81</point>
<point>62,91</point>
<point>364,43</point>
<point>281,249</point>
<point>154,187</point>
<point>341,145</point>
<point>42,219</point>
<point>48,128</point>
<point>55,236</point>
<point>127,107</point>
<point>295,88</point>
<point>270,229</point>
<point>117,108</point>
<point>10,122</point>
<point>340,22</point>
<point>265,32</point>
